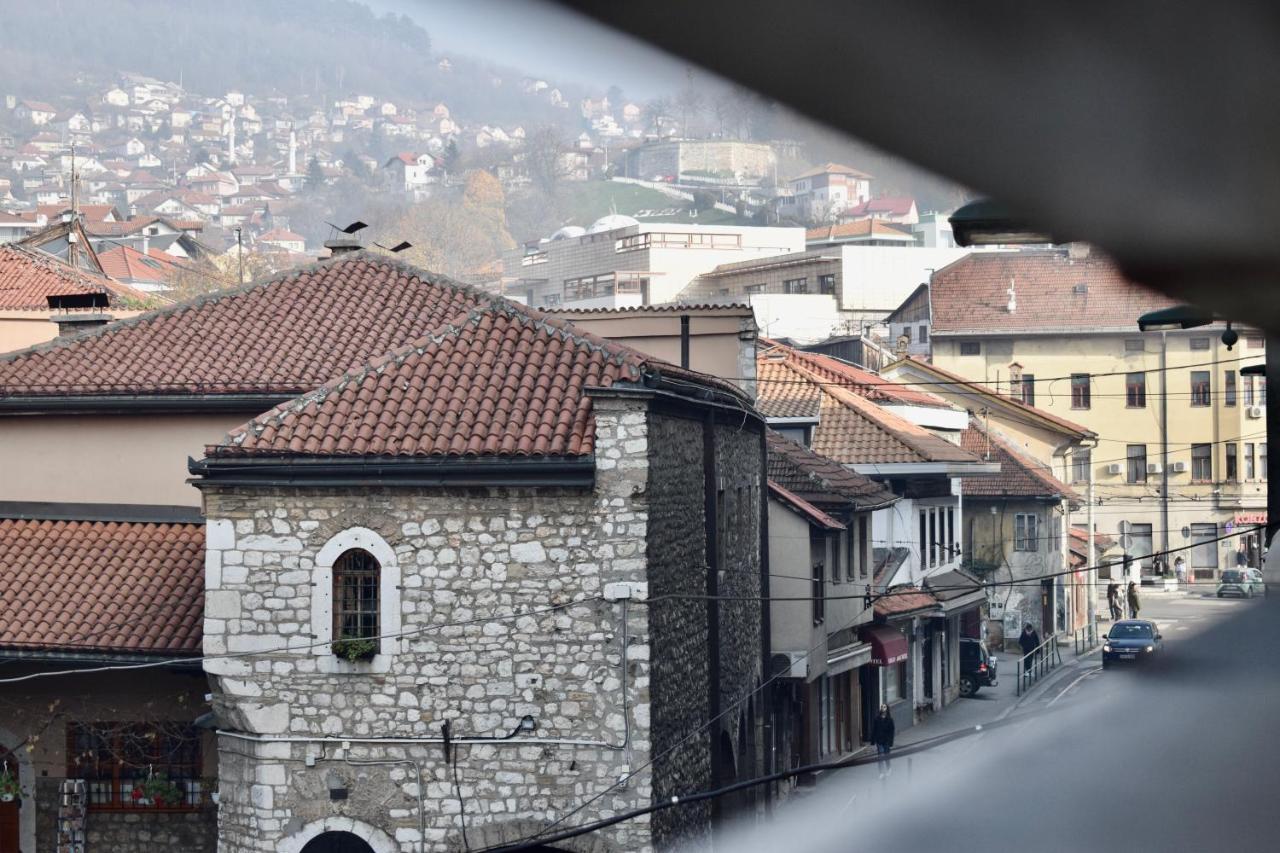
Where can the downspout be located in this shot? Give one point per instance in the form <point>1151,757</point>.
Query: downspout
<point>710,516</point>
<point>1164,447</point>
<point>684,340</point>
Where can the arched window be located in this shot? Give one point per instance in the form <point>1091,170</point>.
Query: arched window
<point>356,596</point>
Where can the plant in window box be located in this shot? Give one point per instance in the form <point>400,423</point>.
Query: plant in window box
<point>9,788</point>
<point>355,648</point>
<point>159,790</point>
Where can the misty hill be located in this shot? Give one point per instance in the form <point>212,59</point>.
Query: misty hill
<point>291,47</point>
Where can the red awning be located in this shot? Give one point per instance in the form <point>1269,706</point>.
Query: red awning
<point>888,645</point>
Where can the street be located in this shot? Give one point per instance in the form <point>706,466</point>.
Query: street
<point>1157,758</point>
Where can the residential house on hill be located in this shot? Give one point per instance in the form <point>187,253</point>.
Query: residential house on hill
<point>899,209</point>
<point>824,192</point>
<point>512,543</point>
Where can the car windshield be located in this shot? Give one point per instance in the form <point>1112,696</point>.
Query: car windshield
<point>1232,576</point>
<point>1131,631</point>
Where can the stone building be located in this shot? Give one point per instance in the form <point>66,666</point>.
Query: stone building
<point>454,595</point>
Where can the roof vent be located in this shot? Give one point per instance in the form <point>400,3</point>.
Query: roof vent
<point>1013,298</point>
<point>1081,289</point>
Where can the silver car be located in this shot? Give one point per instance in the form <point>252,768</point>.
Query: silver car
<point>1256,581</point>
<point>1235,582</point>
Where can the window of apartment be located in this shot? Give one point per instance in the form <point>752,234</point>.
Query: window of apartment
<point>1229,388</point>
<point>1135,390</point>
<point>1233,469</point>
<point>1027,389</point>
<point>1200,388</point>
<point>923,337</point>
<point>1081,458</point>
<point>1079,390</point>
<point>1204,551</point>
<point>827,283</point>
<point>1248,390</point>
<point>1199,344</point>
<point>115,758</point>
<point>1255,341</point>
<point>1134,345</point>
<point>817,546</point>
<point>551,300</point>
<point>795,285</point>
<point>588,287</point>
<point>355,596</point>
<point>1262,458</point>
<point>1249,471</point>
<point>952,550</point>
<point>1140,544</point>
<point>1025,532</point>
<point>970,348</point>
<point>1202,462</point>
<point>754,288</point>
<point>906,333</point>
<point>1262,390</point>
<point>1136,455</point>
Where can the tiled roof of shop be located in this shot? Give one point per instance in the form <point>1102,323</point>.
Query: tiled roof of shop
<point>833,371</point>
<point>851,429</point>
<point>903,599</point>
<point>29,277</point>
<point>457,392</point>
<point>859,228</point>
<point>820,480</point>
<point>288,334</point>
<point>1020,475</point>
<point>1052,292</point>
<point>807,509</point>
<point>82,586</point>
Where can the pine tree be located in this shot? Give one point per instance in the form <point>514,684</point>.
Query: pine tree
<point>315,175</point>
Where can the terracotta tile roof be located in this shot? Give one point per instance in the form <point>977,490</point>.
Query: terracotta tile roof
<point>853,430</point>
<point>893,205</point>
<point>831,169</point>
<point>1052,292</point>
<point>457,392</point>
<point>863,382</point>
<point>128,264</point>
<point>1020,475</point>
<point>1076,544</point>
<point>101,586</point>
<point>286,335</point>
<point>808,510</point>
<point>781,395</point>
<point>281,235</point>
<point>29,277</point>
<point>948,381</point>
<point>904,599</point>
<point>868,228</point>
<point>664,308</point>
<point>820,480</point>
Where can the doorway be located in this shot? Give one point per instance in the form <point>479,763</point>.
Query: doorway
<point>337,842</point>
<point>10,812</point>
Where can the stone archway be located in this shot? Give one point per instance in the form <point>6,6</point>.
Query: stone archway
<point>332,829</point>
<point>10,746</point>
<point>337,842</point>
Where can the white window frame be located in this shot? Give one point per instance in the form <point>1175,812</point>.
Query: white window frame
<point>1026,534</point>
<point>388,599</point>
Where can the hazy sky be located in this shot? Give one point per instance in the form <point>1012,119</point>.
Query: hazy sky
<point>545,39</point>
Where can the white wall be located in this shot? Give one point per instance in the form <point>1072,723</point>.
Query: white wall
<point>880,278</point>
<point>805,318</point>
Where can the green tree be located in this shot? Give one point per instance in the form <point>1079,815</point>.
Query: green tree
<point>315,175</point>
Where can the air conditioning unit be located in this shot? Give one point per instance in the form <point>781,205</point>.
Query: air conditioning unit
<point>1153,468</point>
<point>1114,468</point>
<point>1253,411</point>
<point>1179,467</point>
<point>790,664</point>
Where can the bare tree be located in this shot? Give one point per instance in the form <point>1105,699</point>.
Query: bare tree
<point>543,156</point>
<point>692,102</point>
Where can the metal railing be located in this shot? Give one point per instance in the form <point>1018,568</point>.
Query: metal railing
<point>1086,638</point>
<point>1038,663</point>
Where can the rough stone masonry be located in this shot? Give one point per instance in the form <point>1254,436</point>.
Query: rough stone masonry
<point>311,743</point>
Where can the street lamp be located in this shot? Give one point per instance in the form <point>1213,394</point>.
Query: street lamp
<point>988,223</point>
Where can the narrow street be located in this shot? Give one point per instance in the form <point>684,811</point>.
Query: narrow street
<point>1051,768</point>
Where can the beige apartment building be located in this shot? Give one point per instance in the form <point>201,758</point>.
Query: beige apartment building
<point>1180,455</point>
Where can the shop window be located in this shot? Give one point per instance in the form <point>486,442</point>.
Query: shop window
<point>117,758</point>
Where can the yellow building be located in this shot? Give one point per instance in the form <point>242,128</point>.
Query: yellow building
<point>1180,460</point>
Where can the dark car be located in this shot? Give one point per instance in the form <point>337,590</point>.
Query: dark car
<point>977,667</point>
<point>1131,641</point>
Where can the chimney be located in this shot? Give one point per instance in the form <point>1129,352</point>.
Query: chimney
<point>75,325</point>
<point>1013,298</point>
<point>146,242</point>
<point>1077,251</point>
<point>342,245</point>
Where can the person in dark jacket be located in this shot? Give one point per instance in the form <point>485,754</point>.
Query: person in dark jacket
<point>1132,595</point>
<point>1029,641</point>
<point>882,736</point>
<point>1113,601</point>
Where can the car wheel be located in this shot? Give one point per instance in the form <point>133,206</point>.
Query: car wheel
<point>1219,595</point>
<point>968,686</point>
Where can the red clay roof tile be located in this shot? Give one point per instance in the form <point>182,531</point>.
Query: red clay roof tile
<point>28,277</point>
<point>90,586</point>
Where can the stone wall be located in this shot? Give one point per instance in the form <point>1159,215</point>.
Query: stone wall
<point>462,555</point>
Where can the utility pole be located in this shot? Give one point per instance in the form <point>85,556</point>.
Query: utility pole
<point>1090,560</point>
<point>1164,446</point>
<point>240,254</point>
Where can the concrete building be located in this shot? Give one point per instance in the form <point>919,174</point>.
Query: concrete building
<point>824,193</point>
<point>619,262</point>
<point>711,160</point>
<point>1182,436</point>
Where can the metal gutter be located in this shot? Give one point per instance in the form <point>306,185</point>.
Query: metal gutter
<point>572,472</point>
<point>131,404</point>
<point>87,657</point>
<point>152,513</point>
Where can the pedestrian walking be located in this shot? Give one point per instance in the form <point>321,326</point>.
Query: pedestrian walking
<point>1180,569</point>
<point>1133,600</point>
<point>1113,601</point>
<point>882,736</point>
<point>1242,557</point>
<point>1029,641</point>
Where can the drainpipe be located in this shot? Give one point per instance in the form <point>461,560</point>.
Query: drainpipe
<point>684,340</point>
<point>1164,447</point>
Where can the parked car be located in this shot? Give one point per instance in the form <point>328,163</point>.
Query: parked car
<point>1235,582</point>
<point>977,666</point>
<point>1256,581</point>
<point>1131,641</point>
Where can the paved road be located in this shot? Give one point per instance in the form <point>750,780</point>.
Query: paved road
<point>1183,756</point>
